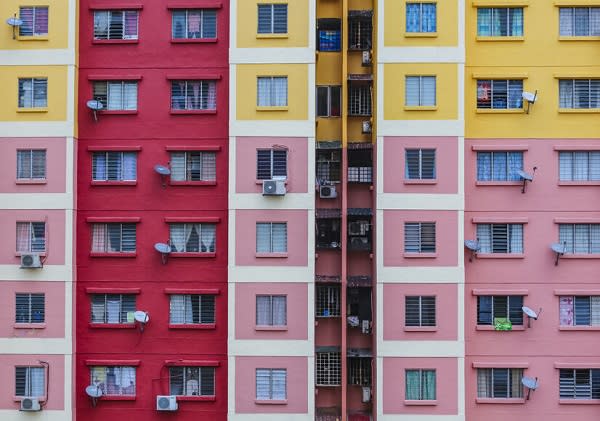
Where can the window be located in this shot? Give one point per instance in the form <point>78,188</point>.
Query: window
<point>499,94</point>
<point>30,308</point>
<point>271,310</point>
<point>271,164</point>
<point>116,24</point>
<point>114,166</point>
<point>359,101</point>
<point>329,101</point>
<point>500,238</point>
<point>579,310</point>
<point>359,234</point>
<point>500,22</point>
<point>271,384</point>
<point>33,93</point>
<point>193,95</point>
<point>35,21</point>
<point>499,166</point>
<point>360,165</point>
<point>31,164</point>
<point>419,237</point>
<point>193,238</point>
<point>579,21</point>
<point>328,234</point>
<point>30,381</point>
<point>272,18</point>
<point>421,17</point>
<point>328,301</point>
<point>490,308</point>
<point>419,164</point>
<point>359,371</point>
<point>271,237</point>
<point>499,383</point>
<point>579,165</point>
<point>31,237</point>
<point>580,238</point>
<point>329,34</point>
<point>117,95</point>
<point>420,91</point>
<point>579,93</point>
<point>193,166</point>
<point>272,91</point>
<point>329,368</point>
<point>420,385</point>
<point>113,308</point>
<point>113,238</point>
<point>328,164</point>
<point>114,381</point>
<point>419,311</point>
<point>194,24</point>
<point>192,381</point>
<point>360,29</point>
<point>192,309</point>
<point>583,383</point>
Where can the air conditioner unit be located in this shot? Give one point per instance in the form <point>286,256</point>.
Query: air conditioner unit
<point>273,188</point>
<point>327,192</point>
<point>30,261</point>
<point>166,403</point>
<point>366,126</point>
<point>366,394</point>
<point>359,241</point>
<point>356,228</point>
<point>30,404</point>
<point>366,58</point>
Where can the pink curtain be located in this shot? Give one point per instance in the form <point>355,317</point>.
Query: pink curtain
<point>212,95</point>
<point>194,22</point>
<point>98,238</point>
<point>566,311</point>
<point>131,19</point>
<point>41,21</point>
<point>23,236</point>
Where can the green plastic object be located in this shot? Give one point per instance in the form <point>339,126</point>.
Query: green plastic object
<point>502,323</point>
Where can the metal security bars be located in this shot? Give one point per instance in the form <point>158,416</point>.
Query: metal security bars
<point>272,18</point>
<point>30,308</point>
<point>117,95</point>
<point>35,21</point>
<point>580,238</point>
<point>30,381</point>
<point>360,29</point>
<point>359,371</point>
<point>194,24</point>
<point>116,24</point>
<point>328,367</point>
<point>192,238</point>
<point>271,237</point>
<point>579,310</point>
<point>500,238</point>
<point>359,99</point>
<point>419,311</point>
<point>490,308</point>
<point>271,310</point>
<point>192,381</point>
<point>112,308</point>
<point>579,383</point>
<point>500,22</point>
<point>419,164</point>
<point>193,166</point>
<point>579,21</point>
<point>31,237</point>
<point>499,383</point>
<point>114,238</point>
<point>579,93</point>
<point>192,309</point>
<point>31,164</point>
<point>271,164</point>
<point>114,166</point>
<point>499,94</point>
<point>271,384</point>
<point>329,163</point>
<point>419,237</point>
<point>193,95</point>
<point>579,165</point>
<point>328,301</point>
<point>114,380</point>
<point>33,92</point>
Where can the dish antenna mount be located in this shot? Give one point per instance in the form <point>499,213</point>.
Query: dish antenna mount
<point>530,98</point>
<point>164,249</point>
<point>474,247</point>
<point>95,105</point>
<point>15,22</point>
<point>530,383</point>
<point>142,318</point>
<point>559,249</point>
<point>94,392</point>
<point>163,171</point>
<point>526,177</point>
<point>531,315</point>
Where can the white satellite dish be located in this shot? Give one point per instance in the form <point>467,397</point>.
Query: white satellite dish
<point>95,106</point>
<point>94,392</point>
<point>164,249</point>
<point>530,313</point>
<point>559,249</point>
<point>141,317</point>
<point>14,22</point>
<point>474,246</point>
<point>163,171</point>
<point>526,177</point>
<point>530,383</point>
<point>530,98</point>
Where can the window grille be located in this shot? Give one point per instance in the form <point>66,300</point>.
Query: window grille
<point>193,166</point>
<point>192,309</point>
<point>117,95</point>
<point>192,238</point>
<point>419,311</point>
<point>360,166</point>
<point>31,237</point>
<point>421,17</point>
<point>328,301</point>
<point>500,238</point>
<point>360,28</point>
<point>113,308</point>
<point>114,238</point>
<point>194,24</point>
<point>359,101</point>
<point>579,93</point>
<point>271,164</point>
<point>420,91</point>
<point>193,95</point>
<point>580,238</point>
<point>271,384</point>
<point>272,91</point>
<point>420,385</point>
<point>35,21</point>
<point>359,371</point>
<point>499,94</point>
<point>579,165</point>
<point>33,92</point>
<point>328,235</point>
<point>499,166</point>
<point>499,383</point>
<point>492,307</point>
<point>359,303</point>
<point>420,164</point>
<point>271,237</point>
<point>272,18</point>
<point>114,380</point>
<point>579,21</point>
<point>114,166</point>
<point>579,383</point>
<point>419,237</point>
<point>329,35</point>
<point>30,381</point>
<point>192,381</point>
<point>329,101</point>
<point>579,310</point>
<point>500,22</point>
<point>329,368</point>
<point>329,164</point>
<point>31,164</point>
<point>359,234</point>
<point>116,24</point>
<point>271,310</point>
<point>30,308</point>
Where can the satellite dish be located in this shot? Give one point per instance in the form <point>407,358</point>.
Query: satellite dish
<point>162,170</point>
<point>95,106</point>
<point>559,249</point>
<point>14,21</point>
<point>530,98</point>
<point>530,383</point>
<point>474,246</point>
<point>164,249</point>
<point>526,177</point>
<point>93,391</point>
<point>530,313</point>
<point>141,317</point>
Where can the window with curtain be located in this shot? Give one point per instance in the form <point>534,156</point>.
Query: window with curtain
<point>419,164</point>
<point>492,307</point>
<point>33,92</point>
<point>500,238</point>
<point>580,238</point>
<point>31,164</point>
<point>116,95</point>
<point>421,17</point>
<point>328,301</point>
<point>420,385</point>
<point>419,91</point>
<point>579,21</point>
<point>271,310</point>
<point>419,237</point>
<point>499,166</point>
<point>328,368</point>
<point>579,93</point>
<point>579,310</point>
<point>579,165</point>
<point>114,166</point>
<point>192,381</point>
<point>115,24</point>
<point>30,308</point>
<point>194,24</point>
<point>31,237</point>
<point>329,33</point>
<point>35,21</point>
<point>499,94</point>
<point>499,383</point>
<point>581,383</point>
<point>271,164</point>
<point>419,311</point>
<point>114,238</point>
<point>114,380</point>
<point>193,238</point>
<point>193,95</point>
<point>271,384</point>
<point>193,166</point>
<point>329,101</point>
<point>272,18</point>
<point>272,91</point>
<point>500,21</point>
<point>271,237</point>
<point>112,308</point>
<point>30,381</point>
<point>359,99</point>
<point>192,309</point>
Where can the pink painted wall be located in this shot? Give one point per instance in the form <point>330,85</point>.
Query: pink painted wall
<point>446,166</point>
<point>446,296</point>
<point>446,237</point>
<point>246,147</point>
<point>394,385</point>
<point>245,237</point>
<point>297,317</point>
<point>328,331</point>
<point>55,309</point>
<point>297,384</point>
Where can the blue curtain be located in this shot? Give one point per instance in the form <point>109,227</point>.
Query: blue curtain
<point>484,166</point>
<point>484,22</point>
<point>515,163</point>
<point>429,20</point>
<point>412,17</point>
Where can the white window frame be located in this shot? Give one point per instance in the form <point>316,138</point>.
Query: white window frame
<point>121,374</point>
<point>109,21</point>
<point>495,242</point>
<point>424,157</point>
<point>31,380</point>
<point>33,244</point>
<point>572,387</point>
<point>192,380</point>
<point>203,32</point>
<point>588,241</point>
<point>118,160</point>
<point>210,234</point>
<point>103,303</point>
<point>579,166</point>
<point>31,164</point>
<point>417,316</point>
<point>423,99</point>
<point>103,233</point>
<point>571,94</point>
<point>37,97</point>
<point>417,237</point>
<point>269,375</point>
<point>273,29</point>
<point>183,166</point>
<point>26,308</point>
<point>269,96</point>
<point>486,390</point>
<point>127,101</point>
<point>271,248</point>
<point>575,30</point>
<point>182,309</point>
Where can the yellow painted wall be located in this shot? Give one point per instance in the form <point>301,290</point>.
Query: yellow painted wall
<point>360,5</point>
<point>329,68</point>
<point>247,24</point>
<point>446,91</point>
<point>297,75</point>
<point>395,26</point>
<point>329,9</point>
<point>57,93</point>
<point>329,128</point>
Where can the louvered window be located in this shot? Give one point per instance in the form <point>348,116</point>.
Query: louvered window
<point>492,307</point>
<point>329,101</point>
<point>419,237</point>
<point>420,91</point>
<point>419,311</point>
<point>193,95</point>
<point>114,166</point>
<point>359,371</point>
<point>271,384</point>
<point>500,238</point>
<point>117,95</point>
<point>579,93</point>
<point>271,164</point>
<point>192,309</point>
<point>329,34</point>
<point>272,18</point>
<point>271,310</point>
<point>360,29</point>
<point>114,238</point>
<point>113,308</point>
<point>192,381</point>
<point>194,24</point>
<point>420,385</point>
<point>359,101</point>
<point>113,380</point>
<point>580,238</point>
<point>500,22</point>
<point>272,91</point>
<point>30,381</point>
<point>193,238</point>
<point>328,164</point>
<point>579,165</point>
<point>30,308</point>
<point>583,383</point>
<point>499,383</point>
<point>31,237</point>
<point>499,166</point>
<point>115,24</point>
<point>271,237</point>
<point>421,17</point>
<point>33,92</point>
<point>328,368</point>
<point>328,301</point>
<point>35,21</point>
<point>31,164</point>
<point>193,166</point>
<point>579,21</point>
<point>499,94</point>
<point>420,164</point>
<point>579,310</point>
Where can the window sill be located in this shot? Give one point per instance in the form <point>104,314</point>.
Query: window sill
<point>271,328</point>
<point>578,38</point>
<point>112,325</point>
<point>193,183</point>
<point>196,398</point>
<point>274,255</point>
<point>115,41</point>
<point>431,402</point>
<point>579,401</point>
<point>267,36</point>
<point>270,402</point>
<point>579,328</point>
<point>580,256</point>
<point>510,39</point>
<point>24,181</point>
<point>420,108</point>
<point>193,40</point>
<point>21,253</point>
<point>492,328</point>
<point>199,326</point>
<point>119,255</point>
<point>420,35</point>
<point>269,108</point>
<point>192,112</point>
<point>500,111</point>
<point>118,112</point>
<point>29,326</point>
<point>579,183</point>
<point>33,110</point>
<point>33,38</point>
<point>431,181</point>
<point>499,183</point>
<point>113,183</point>
<point>408,255</point>
<point>118,398</point>
<point>501,401</point>
<point>420,328</point>
<point>579,110</point>
<point>500,256</point>
<point>195,254</point>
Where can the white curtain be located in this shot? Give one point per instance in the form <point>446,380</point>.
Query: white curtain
<point>178,172</point>
<point>177,309</point>
<point>263,310</point>
<point>178,237</point>
<point>207,237</point>
<point>279,310</point>
<point>115,96</point>
<point>129,166</point>
<point>113,310</point>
